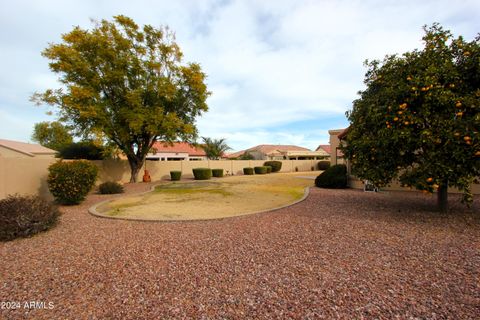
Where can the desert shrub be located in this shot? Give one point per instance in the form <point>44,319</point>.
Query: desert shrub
<point>248,171</point>
<point>175,175</point>
<point>202,173</point>
<point>323,165</point>
<point>269,169</point>
<point>217,173</point>
<point>110,187</point>
<point>334,177</point>
<point>260,170</point>
<point>23,216</point>
<point>70,182</point>
<point>82,150</point>
<point>276,165</point>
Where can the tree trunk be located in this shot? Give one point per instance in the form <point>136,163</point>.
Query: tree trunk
<point>135,166</point>
<point>442,198</point>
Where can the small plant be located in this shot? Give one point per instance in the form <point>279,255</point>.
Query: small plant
<point>323,165</point>
<point>334,177</point>
<point>248,171</point>
<point>70,182</point>
<point>312,168</point>
<point>175,175</point>
<point>269,169</point>
<point>202,173</point>
<point>260,170</point>
<point>218,173</point>
<point>276,165</point>
<point>296,169</point>
<point>23,216</point>
<point>110,187</point>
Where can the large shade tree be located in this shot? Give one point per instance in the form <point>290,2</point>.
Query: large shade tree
<point>127,82</point>
<point>418,119</point>
<point>53,135</point>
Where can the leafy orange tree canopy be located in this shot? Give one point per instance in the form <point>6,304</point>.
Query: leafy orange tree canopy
<point>127,82</point>
<point>418,119</point>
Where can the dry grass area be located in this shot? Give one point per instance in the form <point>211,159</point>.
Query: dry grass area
<point>211,199</point>
<point>340,254</point>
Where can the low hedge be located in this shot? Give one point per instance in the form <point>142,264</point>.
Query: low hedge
<point>218,173</point>
<point>202,173</point>
<point>269,169</point>
<point>276,165</point>
<point>260,170</point>
<point>23,216</point>
<point>334,177</point>
<point>248,171</point>
<point>175,175</point>
<point>110,187</point>
<point>323,165</point>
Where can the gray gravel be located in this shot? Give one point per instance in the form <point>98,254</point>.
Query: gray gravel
<point>339,254</point>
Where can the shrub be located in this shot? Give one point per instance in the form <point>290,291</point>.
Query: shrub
<point>323,165</point>
<point>23,216</point>
<point>260,170</point>
<point>175,175</point>
<point>334,177</point>
<point>82,150</point>
<point>269,169</point>
<point>202,173</point>
<point>110,187</point>
<point>217,173</point>
<point>276,165</point>
<point>248,171</point>
<point>70,182</point>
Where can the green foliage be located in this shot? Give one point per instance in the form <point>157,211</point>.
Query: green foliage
<point>246,156</point>
<point>127,82</point>
<point>202,173</point>
<point>269,169</point>
<point>260,170</point>
<point>70,182</point>
<point>23,216</point>
<point>323,165</point>
<point>175,175</point>
<point>110,187</point>
<point>335,177</point>
<point>276,165</point>
<point>217,173</point>
<point>53,135</point>
<point>214,148</point>
<point>248,171</point>
<point>418,120</point>
<point>82,150</point>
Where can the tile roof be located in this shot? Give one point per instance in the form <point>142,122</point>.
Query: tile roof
<point>179,147</point>
<point>268,149</point>
<point>26,148</point>
<point>325,147</point>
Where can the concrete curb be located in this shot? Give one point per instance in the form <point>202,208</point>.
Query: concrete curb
<point>93,209</point>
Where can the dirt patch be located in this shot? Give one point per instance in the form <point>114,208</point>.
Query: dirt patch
<point>213,199</point>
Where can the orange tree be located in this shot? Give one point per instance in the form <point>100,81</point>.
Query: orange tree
<point>127,82</point>
<point>418,119</point>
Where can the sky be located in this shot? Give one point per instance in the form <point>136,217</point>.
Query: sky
<point>280,72</point>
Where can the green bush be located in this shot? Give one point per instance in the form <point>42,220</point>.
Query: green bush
<point>334,177</point>
<point>269,169</point>
<point>110,187</point>
<point>248,171</point>
<point>323,165</point>
<point>70,182</point>
<point>276,165</point>
<point>175,175</point>
<point>202,173</point>
<point>260,170</point>
<point>82,150</point>
<point>217,173</point>
<point>23,216</point>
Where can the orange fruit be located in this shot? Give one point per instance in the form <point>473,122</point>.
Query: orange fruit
<point>430,179</point>
<point>458,104</point>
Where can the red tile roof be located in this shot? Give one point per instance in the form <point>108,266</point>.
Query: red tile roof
<point>179,147</point>
<point>325,147</point>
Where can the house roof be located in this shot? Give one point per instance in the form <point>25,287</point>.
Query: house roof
<point>268,149</point>
<point>179,147</point>
<point>343,134</point>
<point>30,149</point>
<point>325,147</point>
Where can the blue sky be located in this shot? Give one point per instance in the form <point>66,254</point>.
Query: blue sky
<point>280,71</point>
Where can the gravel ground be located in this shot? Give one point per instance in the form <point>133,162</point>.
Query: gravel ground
<point>339,254</point>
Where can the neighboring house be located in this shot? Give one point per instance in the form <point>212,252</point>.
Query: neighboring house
<point>336,155</point>
<point>17,149</point>
<point>280,152</point>
<point>177,151</point>
<point>325,148</point>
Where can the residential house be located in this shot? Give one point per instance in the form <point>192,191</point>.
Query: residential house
<point>280,152</point>
<point>162,151</point>
<point>17,149</point>
<point>325,148</point>
<point>336,155</point>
